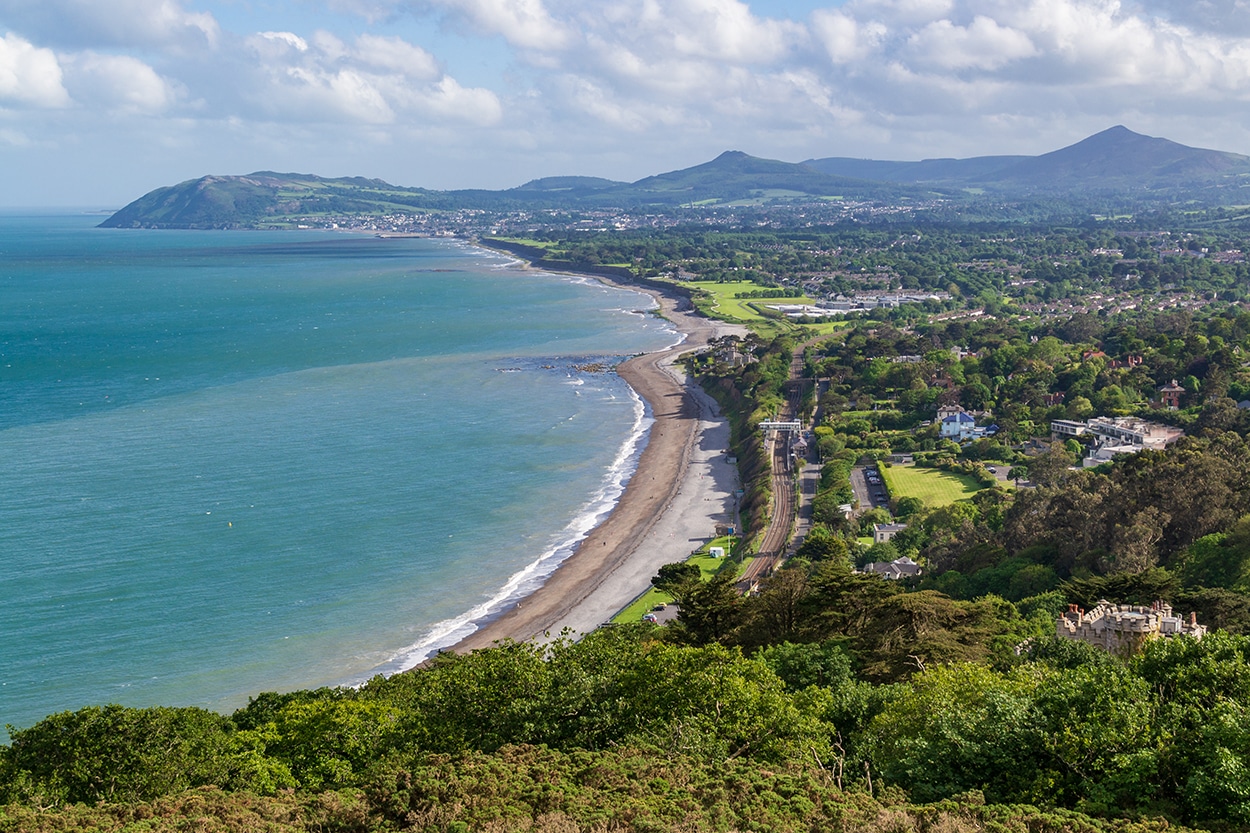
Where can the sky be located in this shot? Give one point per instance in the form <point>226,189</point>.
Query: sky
<point>104,100</point>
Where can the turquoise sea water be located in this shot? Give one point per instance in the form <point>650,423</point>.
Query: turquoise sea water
<point>240,461</point>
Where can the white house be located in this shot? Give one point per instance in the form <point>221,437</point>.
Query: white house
<point>958,427</point>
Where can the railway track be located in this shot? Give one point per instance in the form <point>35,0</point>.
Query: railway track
<point>773,544</point>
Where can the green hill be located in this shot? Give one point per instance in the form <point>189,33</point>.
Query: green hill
<point>1115,163</point>
<point>1116,160</point>
<point>245,201</point>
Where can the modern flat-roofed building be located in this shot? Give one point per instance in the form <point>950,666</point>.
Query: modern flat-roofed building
<point>1113,436</point>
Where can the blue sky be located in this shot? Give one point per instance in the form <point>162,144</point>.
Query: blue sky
<point>103,100</point>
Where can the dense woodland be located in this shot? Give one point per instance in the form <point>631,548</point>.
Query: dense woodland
<point>830,700</point>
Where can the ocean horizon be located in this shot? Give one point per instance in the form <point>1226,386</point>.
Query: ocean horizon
<point>245,461</point>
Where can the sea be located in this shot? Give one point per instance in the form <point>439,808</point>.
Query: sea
<point>245,461</point>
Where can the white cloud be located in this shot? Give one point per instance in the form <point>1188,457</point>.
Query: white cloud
<point>1225,17</point>
<point>103,23</point>
<point>119,83</point>
<point>281,40</point>
<point>448,100</point>
<point>639,63</point>
<point>374,80</point>
<point>29,75</point>
<point>15,138</point>
<point>343,94</point>
<point>373,11</point>
<point>396,55</point>
<point>720,30</point>
<point>524,23</point>
<point>901,12</point>
<point>661,81</point>
<point>846,39</point>
<point>983,45</point>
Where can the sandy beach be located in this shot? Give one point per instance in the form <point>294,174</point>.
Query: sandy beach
<point>683,488</point>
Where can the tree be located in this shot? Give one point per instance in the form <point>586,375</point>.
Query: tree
<point>1132,588</point>
<point>1079,407</point>
<point>774,614</point>
<point>821,544</point>
<point>1097,723</point>
<point>907,506</point>
<point>712,610</point>
<point>824,664</point>
<point>1051,467</point>
<point>678,579</point>
<point>327,744</point>
<point>118,754</point>
<point>957,728</point>
<point>883,551</point>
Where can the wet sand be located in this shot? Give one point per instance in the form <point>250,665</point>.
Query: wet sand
<point>683,488</point>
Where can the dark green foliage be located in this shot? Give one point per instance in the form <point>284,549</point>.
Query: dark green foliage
<point>1216,608</point>
<point>957,729</point>
<point>264,707</point>
<point>1219,560</point>
<point>712,610</point>
<point>118,754</point>
<point>203,810</point>
<point>621,729</point>
<point>1130,588</point>
<point>678,579</point>
<point>821,544</point>
<point>825,664</point>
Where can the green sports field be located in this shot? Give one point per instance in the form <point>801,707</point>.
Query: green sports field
<point>724,304</point>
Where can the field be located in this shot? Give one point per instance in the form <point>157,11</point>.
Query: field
<point>934,486</point>
<point>724,303</point>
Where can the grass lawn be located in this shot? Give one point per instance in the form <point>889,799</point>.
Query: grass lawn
<point>934,486</point>
<point>827,328</point>
<point>725,305</point>
<point>708,566</point>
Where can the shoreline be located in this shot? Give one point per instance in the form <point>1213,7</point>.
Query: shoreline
<point>682,485</point>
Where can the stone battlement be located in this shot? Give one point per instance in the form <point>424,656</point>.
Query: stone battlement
<point>1124,629</point>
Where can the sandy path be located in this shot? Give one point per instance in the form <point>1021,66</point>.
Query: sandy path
<point>683,487</point>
